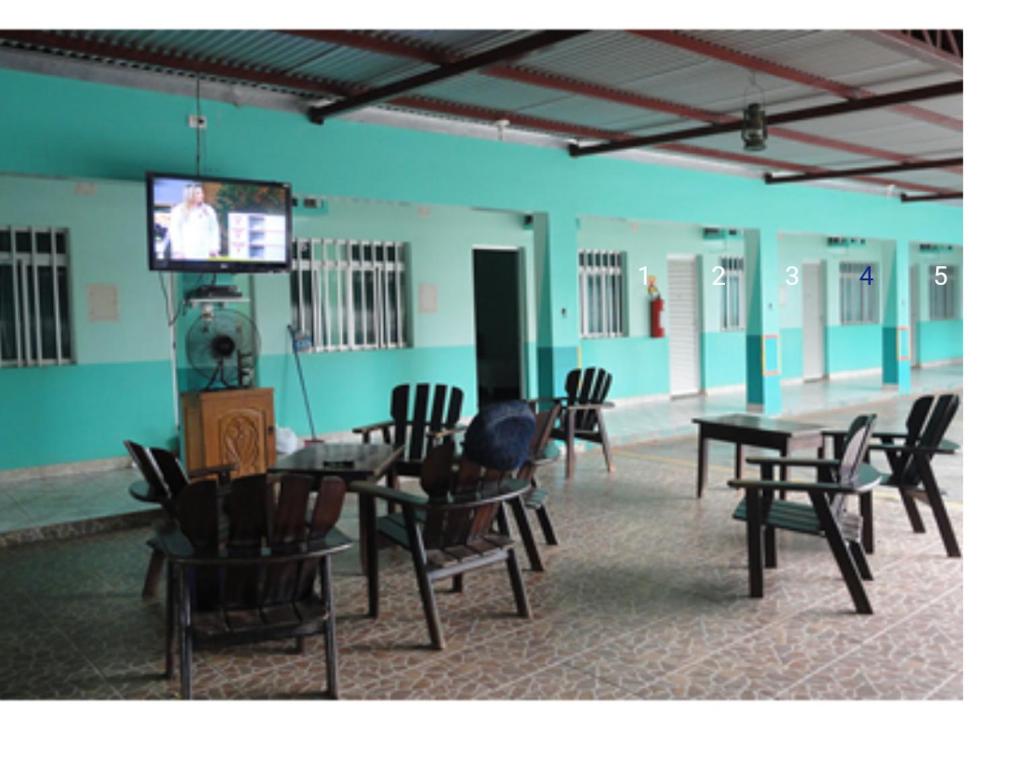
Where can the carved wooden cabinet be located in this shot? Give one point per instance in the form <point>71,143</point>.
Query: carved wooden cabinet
<point>230,426</point>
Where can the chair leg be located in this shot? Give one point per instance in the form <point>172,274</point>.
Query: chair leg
<point>457,583</point>
<point>868,534</point>
<point>770,547</point>
<point>858,557</point>
<point>604,439</point>
<point>170,608</point>
<point>154,568</point>
<point>754,515</point>
<point>546,525</point>
<point>841,554</point>
<point>938,508</point>
<point>329,630</point>
<point>518,586</point>
<point>911,507</point>
<point>185,636</point>
<point>569,439</point>
<point>424,585</point>
<point>526,532</point>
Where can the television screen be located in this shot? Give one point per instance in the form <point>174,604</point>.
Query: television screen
<point>205,224</point>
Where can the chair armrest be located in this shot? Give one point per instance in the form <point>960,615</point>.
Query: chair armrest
<point>224,470</point>
<point>373,427</point>
<point>440,434</point>
<point>588,406</point>
<point>394,495</point>
<point>788,461</point>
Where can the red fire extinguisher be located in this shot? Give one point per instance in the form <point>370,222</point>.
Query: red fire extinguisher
<point>657,305</point>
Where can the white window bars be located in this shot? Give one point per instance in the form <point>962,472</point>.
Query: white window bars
<point>734,294</point>
<point>34,297</point>
<point>942,295</point>
<point>601,293</point>
<point>859,299</point>
<point>349,294</point>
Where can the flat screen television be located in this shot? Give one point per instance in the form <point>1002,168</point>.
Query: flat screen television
<point>215,224</point>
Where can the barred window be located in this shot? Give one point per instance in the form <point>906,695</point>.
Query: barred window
<point>859,299</point>
<point>34,297</point>
<point>942,298</point>
<point>349,294</point>
<point>601,293</point>
<point>733,297</point>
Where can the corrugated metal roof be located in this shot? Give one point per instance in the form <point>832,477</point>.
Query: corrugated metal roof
<point>609,58</point>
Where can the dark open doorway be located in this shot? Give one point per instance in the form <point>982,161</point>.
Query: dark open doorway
<point>498,324</point>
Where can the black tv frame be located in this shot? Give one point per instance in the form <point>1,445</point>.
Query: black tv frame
<point>167,265</point>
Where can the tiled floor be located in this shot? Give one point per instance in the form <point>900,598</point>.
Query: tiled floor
<point>645,598</point>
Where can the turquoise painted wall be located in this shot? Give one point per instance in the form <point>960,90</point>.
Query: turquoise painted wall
<point>723,359</point>
<point>853,347</point>
<point>940,340</point>
<point>640,365</point>
<point>117,133</point>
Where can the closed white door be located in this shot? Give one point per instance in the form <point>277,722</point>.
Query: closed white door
<point>681,325</point>
<point>812,321</point>
<point>913,311</point>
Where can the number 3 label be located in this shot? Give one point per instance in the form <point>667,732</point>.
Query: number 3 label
<point>793,275</point>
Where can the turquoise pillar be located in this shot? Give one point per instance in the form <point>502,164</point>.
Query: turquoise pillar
<point>763,337</point>
<point>896,324</point>
<point>555,240</point>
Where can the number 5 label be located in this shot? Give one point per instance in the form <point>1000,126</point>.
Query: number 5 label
<point>940,272</point>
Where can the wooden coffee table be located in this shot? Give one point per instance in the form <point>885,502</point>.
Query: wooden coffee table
<point>758,431</point>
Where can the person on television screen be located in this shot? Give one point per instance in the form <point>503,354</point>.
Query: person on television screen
<point>194,233</point>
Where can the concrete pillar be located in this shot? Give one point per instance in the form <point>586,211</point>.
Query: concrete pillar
<point>555,240</point>
<point>895,295</point>
<point>763,337</point>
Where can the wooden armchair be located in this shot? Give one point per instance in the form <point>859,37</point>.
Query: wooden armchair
<point>909,455</point>
<point>825,514</point>
<point>163,481</point>
<point>417,423</point>
<point>541,452</point>
<point>252,578</point>
<point>581,415</point>
<point>448,532</point>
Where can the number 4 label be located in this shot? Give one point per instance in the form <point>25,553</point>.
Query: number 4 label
<point>867,275</point>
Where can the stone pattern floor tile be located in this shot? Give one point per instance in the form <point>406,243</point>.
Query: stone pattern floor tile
<point>645,598</point>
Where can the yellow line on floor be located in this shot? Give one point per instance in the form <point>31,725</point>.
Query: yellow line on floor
<point>666,459</point>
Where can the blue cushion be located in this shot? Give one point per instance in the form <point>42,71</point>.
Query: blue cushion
<point>499,436</point>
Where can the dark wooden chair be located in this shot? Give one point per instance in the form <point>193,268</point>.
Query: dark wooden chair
<point>541,452</point>
<point>421,416</point>
<point>450,531</point>
<point>249,576</point>
<point>581,415</point>
<point>825,514</point>
<point>165,479</point>
<point>909,455</point>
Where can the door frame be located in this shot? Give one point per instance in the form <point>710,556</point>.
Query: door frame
<point>821,264</point>
<point>523,335</point>
<point>695,259</point>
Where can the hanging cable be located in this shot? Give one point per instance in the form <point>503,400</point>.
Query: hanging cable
<point>199,121</point>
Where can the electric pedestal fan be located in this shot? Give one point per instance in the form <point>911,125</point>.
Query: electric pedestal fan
<point>222,345</point>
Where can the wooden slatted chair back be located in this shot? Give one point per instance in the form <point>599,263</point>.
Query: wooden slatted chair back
<point>432,408</point>
<point>856,445</point>
<point>912,430</point>
<point>461,487</point>
<point>584,386</point>
<point>145,463</point>
<point>941,417</point>
<point>171,470</point>
<point>261,511</point>
<point>545,421</point>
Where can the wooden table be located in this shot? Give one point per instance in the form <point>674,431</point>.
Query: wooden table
<point>348,461</point>
<point>751,429</point>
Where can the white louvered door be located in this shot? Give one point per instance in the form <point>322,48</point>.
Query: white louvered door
<point>681,325</point>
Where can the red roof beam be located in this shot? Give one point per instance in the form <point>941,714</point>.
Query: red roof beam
<point>783,72</point>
